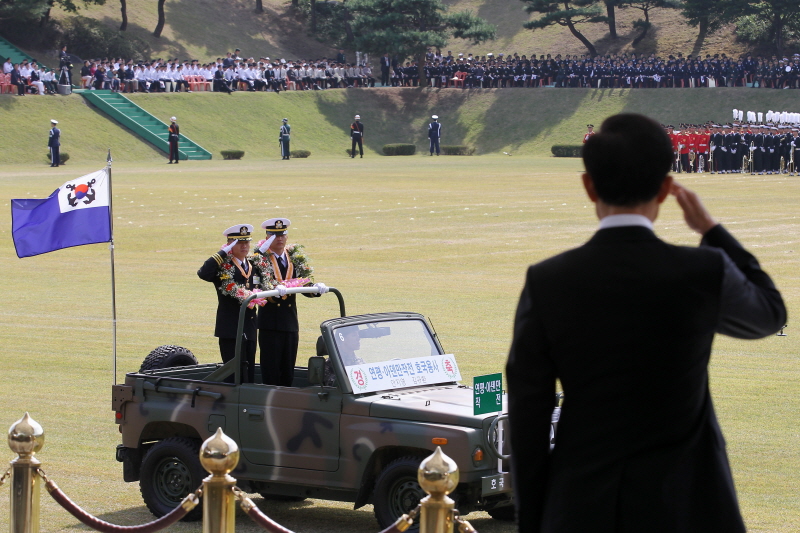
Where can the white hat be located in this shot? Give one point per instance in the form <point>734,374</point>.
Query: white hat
<point>53,122</point>
<point>358,116</point>
<point>286,120</point>
<point>276,226</point>
<point>173,119</point>
<point>239,232</point>
<point>435,117</point>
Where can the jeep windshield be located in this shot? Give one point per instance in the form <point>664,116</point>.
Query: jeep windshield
<point>392,354</point>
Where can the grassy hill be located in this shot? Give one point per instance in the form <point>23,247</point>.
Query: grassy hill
<point>206,29</point>
<point>520,121</point>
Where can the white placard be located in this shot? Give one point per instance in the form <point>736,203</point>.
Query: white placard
<point>401,373</point>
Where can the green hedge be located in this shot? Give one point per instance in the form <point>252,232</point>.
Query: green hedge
<point>302,154</point>
<point>457,150</point>
<point>232,154</point>
<point>399,149</point>
<point>63,156</point>
<point>567,150</point>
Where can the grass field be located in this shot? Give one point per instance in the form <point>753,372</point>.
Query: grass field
<point>448,237</point>
<point>519,121</point>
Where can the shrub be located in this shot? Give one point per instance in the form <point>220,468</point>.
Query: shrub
<point>457,150</point>
<point>88,38</point>
<point>567,150</point>
<point>399,149</point>
<point>63,156</point>
<point>232,154</point>
<point>302,154</point>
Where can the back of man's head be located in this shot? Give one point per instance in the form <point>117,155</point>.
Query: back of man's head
<point>628,159</point>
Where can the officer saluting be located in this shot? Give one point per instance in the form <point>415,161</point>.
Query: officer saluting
<point>283,138</point>
<point>278,326</point>
<point>235,278</point>
<point>435,133</point>
<point>54,142</point>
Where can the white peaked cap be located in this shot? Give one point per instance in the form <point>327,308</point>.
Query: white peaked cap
<point>735,113</point>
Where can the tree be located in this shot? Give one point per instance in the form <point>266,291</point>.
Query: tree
<point>23,9</point>
<point>645,6</point>
<point>612,17</point>
<point>406,28</point>
<point>566,13</point>
<point>710,15</point>
<point>70,6</point>
<point>161,19</point>
<point>123,7</point>
<point>780,15</point>
<point>259,6</point>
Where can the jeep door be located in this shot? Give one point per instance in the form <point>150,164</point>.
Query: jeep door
<point>290,427</point>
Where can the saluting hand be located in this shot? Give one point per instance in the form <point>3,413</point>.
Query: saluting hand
<point>263,245</point>
<point>694,212</point>
<point>228,247</point>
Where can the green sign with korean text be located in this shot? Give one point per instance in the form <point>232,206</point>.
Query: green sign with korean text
<point>487,393</point>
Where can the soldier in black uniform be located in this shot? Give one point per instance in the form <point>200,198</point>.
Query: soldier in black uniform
<point>278,327</point>
<point>234,277</point>
<point>54,142</point>
<point>357,136</point>
<point>173,137</point>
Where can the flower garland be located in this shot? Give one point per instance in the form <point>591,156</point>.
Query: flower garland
<point>228,287</point>
<point>298,258</point>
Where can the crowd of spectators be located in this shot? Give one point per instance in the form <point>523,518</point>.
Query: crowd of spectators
<point>30,77</point>
<point>233,72</point>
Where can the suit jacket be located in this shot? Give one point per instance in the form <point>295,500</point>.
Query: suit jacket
<point>227,306</point>
<point>626,323</point>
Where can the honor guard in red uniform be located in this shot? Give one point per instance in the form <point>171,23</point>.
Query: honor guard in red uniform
<point>589,132</point>
<point>684,138</point>
<point>673,138</point>
<point>702,139</point>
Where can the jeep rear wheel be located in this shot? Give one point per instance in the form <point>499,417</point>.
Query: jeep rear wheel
<point>171,469</point>
<point>168,356</point>
<point>397,491</point>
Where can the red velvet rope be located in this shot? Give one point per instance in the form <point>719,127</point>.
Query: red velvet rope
<point>263,520</point>
<point>106,527</point>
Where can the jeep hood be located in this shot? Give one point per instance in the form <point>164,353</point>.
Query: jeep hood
<point>448,405</point>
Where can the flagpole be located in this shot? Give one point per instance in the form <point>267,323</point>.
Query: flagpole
<point>113,279</point>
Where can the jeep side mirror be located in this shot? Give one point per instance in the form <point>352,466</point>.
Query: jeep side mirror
<point>316,370</point>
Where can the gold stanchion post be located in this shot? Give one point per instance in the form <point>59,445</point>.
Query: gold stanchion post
<point>25,438</point>
<point>219,455</point>
<point>438,476</point>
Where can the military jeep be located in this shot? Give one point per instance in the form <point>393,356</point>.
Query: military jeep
<point>377,397</point>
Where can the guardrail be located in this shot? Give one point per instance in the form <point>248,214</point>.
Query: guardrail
<point>219,455</point>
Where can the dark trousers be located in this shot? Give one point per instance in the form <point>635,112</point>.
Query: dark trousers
<point>385,77</point>
<point>55,157</point>
<point>357,141</point>
<point>173,150</point>
<point>278,356</point>
<point>434,145</point>
<point>685,166</point>
<point>227,349</point>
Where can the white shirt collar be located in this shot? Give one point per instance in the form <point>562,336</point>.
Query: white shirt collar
<point>616,221</point>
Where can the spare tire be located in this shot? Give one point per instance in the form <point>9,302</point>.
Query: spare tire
<point>168,356</point>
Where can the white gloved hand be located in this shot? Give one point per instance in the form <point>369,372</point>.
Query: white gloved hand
<point>752,148</point>
<point>264,245</point>
<point>228,247</point>
<point>281,290</point>
<point>772,150</point>
<point>322,287</point>
<point>762,148</point>
<point>724,149</point>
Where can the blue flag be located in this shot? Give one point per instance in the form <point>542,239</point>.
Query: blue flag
<point>76,213</point>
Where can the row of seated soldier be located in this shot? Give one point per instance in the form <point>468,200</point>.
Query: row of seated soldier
<point>28,78</point>
<point>233,73</point>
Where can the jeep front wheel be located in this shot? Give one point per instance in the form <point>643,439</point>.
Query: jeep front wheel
<point>171,469</point>
<point>397,491</point>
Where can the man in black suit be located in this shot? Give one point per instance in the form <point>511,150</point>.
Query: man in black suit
<point>235,278</point>
<point>626,322</point>
<point>278,327</point>
<point>386,65</point>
